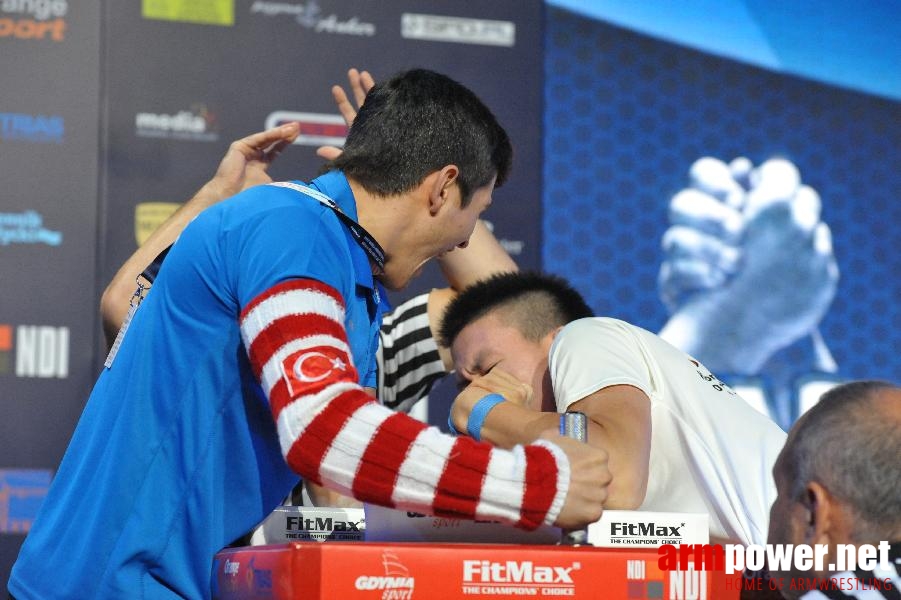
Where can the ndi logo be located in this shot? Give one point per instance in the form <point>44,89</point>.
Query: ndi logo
<point>40,351</point>
<point>41,129</point>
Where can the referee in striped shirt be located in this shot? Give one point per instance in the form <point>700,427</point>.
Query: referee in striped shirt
<point>838,480</point>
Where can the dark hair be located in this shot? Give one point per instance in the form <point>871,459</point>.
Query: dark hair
<point>534,303</point>
<point>853,450</point>
<point>417,123</point>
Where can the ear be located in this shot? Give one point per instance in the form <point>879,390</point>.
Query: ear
<point>824,520</point>
<point>548,340</point>
<point>440,191</point>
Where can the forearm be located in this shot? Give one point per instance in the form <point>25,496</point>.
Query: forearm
<point>409,466</point>
<point>334,434</point>
<point>482,257</point>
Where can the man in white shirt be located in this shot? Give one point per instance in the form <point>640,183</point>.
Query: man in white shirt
<point>678,439</point>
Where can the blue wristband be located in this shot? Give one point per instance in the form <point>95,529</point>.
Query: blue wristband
<point>479,412</point>
<point>450,426</point>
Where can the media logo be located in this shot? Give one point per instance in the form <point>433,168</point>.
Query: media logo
<point>39,351</point>
<point>310,16</point>
<point>438,28</point>
<point>396,583</point>
<point>40,129</point>
<point>149,216</point>
<point>21,493</point>
<point>196,124</point>
<point>33,19</point>
<point>521,578</point>
<point>316,129</point>
<point>26,228</point>
<point>203,12</point>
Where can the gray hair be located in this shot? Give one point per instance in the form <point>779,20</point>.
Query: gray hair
<point>854,451</point>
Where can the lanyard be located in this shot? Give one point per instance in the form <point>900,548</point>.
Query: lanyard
<point>371,247</point>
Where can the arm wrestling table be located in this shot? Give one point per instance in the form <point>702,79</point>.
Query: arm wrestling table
<point>438,571</point>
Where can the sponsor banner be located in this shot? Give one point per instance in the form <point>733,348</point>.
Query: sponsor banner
<point>34,351</point>
<point>439,28</point>
<point>27,20</point>
<point>205,12</point>
<point>312,16</point>
<point>26,228</point>
<point>316,129</point>
<point>149,216</point>
<point>296,523</point>
<point>21,494</point>
<point>40,129</point>
<point>196,124</point>
<point>425,571</point>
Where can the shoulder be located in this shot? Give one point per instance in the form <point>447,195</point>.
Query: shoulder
<point>593,331</point>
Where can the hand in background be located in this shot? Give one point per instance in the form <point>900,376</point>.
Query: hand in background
<point>749,267</point>
<point>360,83</point>
<point>246,163</point>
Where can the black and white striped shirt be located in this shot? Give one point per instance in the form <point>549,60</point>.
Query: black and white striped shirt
<point>408,360</point>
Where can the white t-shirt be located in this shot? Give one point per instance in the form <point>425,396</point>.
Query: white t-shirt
<point>710,451</point>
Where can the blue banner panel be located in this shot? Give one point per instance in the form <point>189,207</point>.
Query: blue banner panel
<point>774,259</point>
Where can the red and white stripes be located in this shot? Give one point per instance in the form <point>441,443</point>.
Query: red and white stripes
<point>333,433</point>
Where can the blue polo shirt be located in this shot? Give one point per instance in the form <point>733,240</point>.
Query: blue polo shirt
<point>176,454</point>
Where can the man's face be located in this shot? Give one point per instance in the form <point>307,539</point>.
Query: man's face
<point>449,228</point>
<point>489,342</point>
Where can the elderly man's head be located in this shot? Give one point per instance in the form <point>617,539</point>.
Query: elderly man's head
<point>838,477</point>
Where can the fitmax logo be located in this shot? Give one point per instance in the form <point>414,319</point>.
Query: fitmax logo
<point>645,530</point>
<point>320,524</point>
<point>511,571</point>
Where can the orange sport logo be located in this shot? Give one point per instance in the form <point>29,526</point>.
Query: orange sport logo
<point>33,19</point>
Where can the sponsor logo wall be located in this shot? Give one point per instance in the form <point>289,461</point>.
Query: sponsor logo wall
<point>49,142</point>
<point>90,170</point>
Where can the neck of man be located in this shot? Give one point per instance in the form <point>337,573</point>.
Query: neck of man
<point>386,218</point>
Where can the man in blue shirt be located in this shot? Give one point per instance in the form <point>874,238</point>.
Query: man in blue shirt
<point>249,365</point>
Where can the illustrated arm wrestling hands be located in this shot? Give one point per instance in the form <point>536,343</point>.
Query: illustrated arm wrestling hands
<point>619,425</point>
<point>748,268</point>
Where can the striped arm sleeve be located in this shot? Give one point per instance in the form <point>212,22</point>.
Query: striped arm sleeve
<point>332,433</point>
